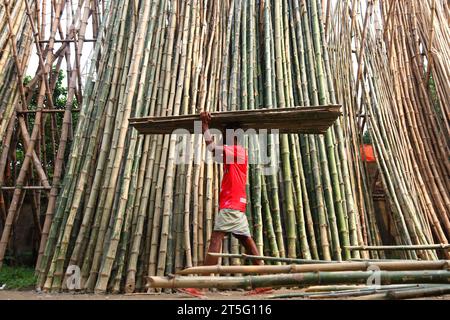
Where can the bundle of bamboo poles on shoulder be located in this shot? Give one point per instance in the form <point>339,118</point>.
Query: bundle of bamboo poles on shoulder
<point>129,209</point>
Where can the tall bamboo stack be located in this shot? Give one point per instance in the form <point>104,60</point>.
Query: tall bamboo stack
<point>128,209</point>
<point>401,87</point>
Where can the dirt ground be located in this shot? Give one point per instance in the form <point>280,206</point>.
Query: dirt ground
<point>225,295</point>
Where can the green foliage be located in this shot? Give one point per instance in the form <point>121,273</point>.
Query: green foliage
<point>59,93</point>
<point>435,98</point>
<point>17,277</point>
<point>367,139</point>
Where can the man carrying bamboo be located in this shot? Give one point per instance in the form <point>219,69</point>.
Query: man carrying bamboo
<point>233,199</point>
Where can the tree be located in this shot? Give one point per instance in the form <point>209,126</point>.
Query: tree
<point>367,139</point>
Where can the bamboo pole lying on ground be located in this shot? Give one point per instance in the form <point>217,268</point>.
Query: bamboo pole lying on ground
<point>406,247</point>
<point>342,266</point>
<point>409,294</point>
<point>364,291</point>
<point>301,279</point>
<point>335,288</point>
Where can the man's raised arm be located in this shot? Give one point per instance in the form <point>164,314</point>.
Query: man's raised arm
<point>206,119</point>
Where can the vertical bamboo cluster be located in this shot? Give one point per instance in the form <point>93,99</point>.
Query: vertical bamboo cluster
<point>133,206</point>
<point>401,87</point>
<point>126,206</point>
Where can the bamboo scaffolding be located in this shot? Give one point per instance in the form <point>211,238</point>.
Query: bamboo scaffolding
<point>24,25</point>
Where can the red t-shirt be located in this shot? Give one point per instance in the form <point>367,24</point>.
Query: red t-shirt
<point>233,193</point>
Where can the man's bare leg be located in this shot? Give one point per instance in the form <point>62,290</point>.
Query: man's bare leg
<point>250,248</point>
<point>215,245</point>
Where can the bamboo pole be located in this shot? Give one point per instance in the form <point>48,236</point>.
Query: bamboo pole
<point>410,247</point>
<point>342,266</point>
<point>274,259</point>
<point>411,294</point>
<point>295,280</point>
<point>359,292</point>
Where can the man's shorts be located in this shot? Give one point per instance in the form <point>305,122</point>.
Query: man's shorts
<point>234,221</point>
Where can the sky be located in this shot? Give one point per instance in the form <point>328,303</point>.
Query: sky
<point>87,48</point>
